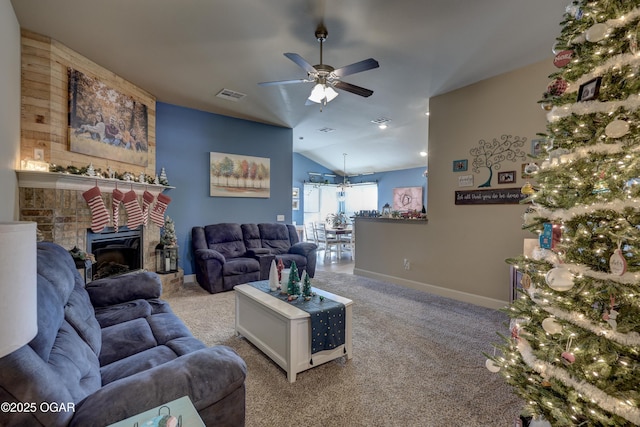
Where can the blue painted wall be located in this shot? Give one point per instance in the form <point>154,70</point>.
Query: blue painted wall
<point>387,181</point>
<point>184,138</point>
<point>301,167</point>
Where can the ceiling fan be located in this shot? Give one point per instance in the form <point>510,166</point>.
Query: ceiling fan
<point>325,77</point>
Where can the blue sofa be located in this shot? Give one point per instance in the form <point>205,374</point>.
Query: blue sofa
<point>230,254</point>
<point>111,350</point>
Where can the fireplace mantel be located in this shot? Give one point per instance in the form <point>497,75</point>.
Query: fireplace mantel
<point>65,181</point>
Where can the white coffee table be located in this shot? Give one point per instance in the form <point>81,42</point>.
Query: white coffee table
<point>282,331</point>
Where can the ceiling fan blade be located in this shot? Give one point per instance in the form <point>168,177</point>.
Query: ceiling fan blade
<point>283,82</point>
<point>356,67</point>
<point>353,89</point>
<point>302,63</point>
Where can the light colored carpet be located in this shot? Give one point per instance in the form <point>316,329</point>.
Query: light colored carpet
<point>417,361</point>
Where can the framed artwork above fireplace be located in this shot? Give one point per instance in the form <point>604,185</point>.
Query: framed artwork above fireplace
<point>105,123</point>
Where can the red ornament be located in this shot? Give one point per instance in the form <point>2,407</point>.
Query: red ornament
<point>563,58</point>
<point>568,357</point>
<point>280,267</point>
<point>557,87</point>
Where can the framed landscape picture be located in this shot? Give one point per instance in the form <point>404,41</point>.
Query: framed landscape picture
<point>233,175</point>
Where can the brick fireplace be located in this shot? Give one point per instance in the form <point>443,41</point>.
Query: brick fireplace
<point>55,202</point>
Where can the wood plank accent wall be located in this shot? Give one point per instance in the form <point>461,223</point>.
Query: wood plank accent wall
<point>63,216</point>
<point>44,114</point>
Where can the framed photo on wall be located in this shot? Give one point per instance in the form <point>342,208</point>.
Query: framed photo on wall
<point>506,177</point>
<point>460,165</point>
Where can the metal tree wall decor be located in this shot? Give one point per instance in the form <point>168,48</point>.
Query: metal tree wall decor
<point>489,154</point>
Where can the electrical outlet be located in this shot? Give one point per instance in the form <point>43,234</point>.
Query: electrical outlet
<point>280,218</point>
<point>407,264</point>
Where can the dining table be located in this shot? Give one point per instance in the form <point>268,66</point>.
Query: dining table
<point>342,234</point>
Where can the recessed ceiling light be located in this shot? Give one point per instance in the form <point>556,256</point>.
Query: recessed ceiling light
<point>427,113</point>
<point>423,153</point>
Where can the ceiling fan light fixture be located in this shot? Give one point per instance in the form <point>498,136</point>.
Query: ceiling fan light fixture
<point>317,94</point>
<point>330,93</point>
<point>322,93</point>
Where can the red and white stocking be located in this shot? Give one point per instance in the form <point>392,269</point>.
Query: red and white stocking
<point>118,197</point>
<point>147,200</point>
<point>157,213</point>
<point>134,213</point>
<point>99,213</point>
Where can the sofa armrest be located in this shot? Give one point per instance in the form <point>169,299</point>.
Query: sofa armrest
<point>128,287</point>
<point>205,254</point>
<point>303,248</point>
<point>206,376</point>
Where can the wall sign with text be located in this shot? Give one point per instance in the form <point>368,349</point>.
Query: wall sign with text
<point>498,196</point>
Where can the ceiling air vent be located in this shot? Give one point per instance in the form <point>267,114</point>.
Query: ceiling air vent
<point>326,130</point>
<point>230,95</point>
<point>381,121</point>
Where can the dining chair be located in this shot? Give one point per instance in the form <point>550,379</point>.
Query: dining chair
<point>310,232</point>
<point>326,241</point>
<point>348,242</point>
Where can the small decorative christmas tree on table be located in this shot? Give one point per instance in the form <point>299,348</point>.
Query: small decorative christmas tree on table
<point>306,287</point>
<point>573,353</point>
<point>294,280</point>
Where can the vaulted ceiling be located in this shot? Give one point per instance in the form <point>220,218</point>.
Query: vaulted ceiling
<point>185,52</point>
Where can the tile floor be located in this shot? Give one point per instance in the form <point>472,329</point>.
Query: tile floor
<point>344,264</point>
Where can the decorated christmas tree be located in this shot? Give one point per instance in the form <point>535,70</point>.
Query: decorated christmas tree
<point>169,238</point>
<point>573,349</point>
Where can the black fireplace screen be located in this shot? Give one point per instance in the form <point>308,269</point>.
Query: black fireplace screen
<point>116,252</point>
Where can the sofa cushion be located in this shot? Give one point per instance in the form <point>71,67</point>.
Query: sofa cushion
<point>239,266</point>
<point>166,327</point>
<point>225,238</point>
<point>112,315</point>
<point>124,339</point>
<point>251,236</point>
<point>80,314</point>
<point>138,362</point>
<point>275,237</point>
<point>75,363</point>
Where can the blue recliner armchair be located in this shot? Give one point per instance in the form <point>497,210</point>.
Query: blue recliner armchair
<point>230,254</point>
<point>112,350</point>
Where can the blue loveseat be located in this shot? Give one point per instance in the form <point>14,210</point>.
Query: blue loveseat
<point>230,254</point>
<point>111,350</point>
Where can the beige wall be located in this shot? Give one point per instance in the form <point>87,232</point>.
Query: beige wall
<point>460,253</point>
<point>9,111</point>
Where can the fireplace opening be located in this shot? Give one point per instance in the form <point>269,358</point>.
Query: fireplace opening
<point>116,252</point>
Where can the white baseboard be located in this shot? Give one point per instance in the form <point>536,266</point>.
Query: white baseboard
<point>437,290</point>
<point>189,278</point>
